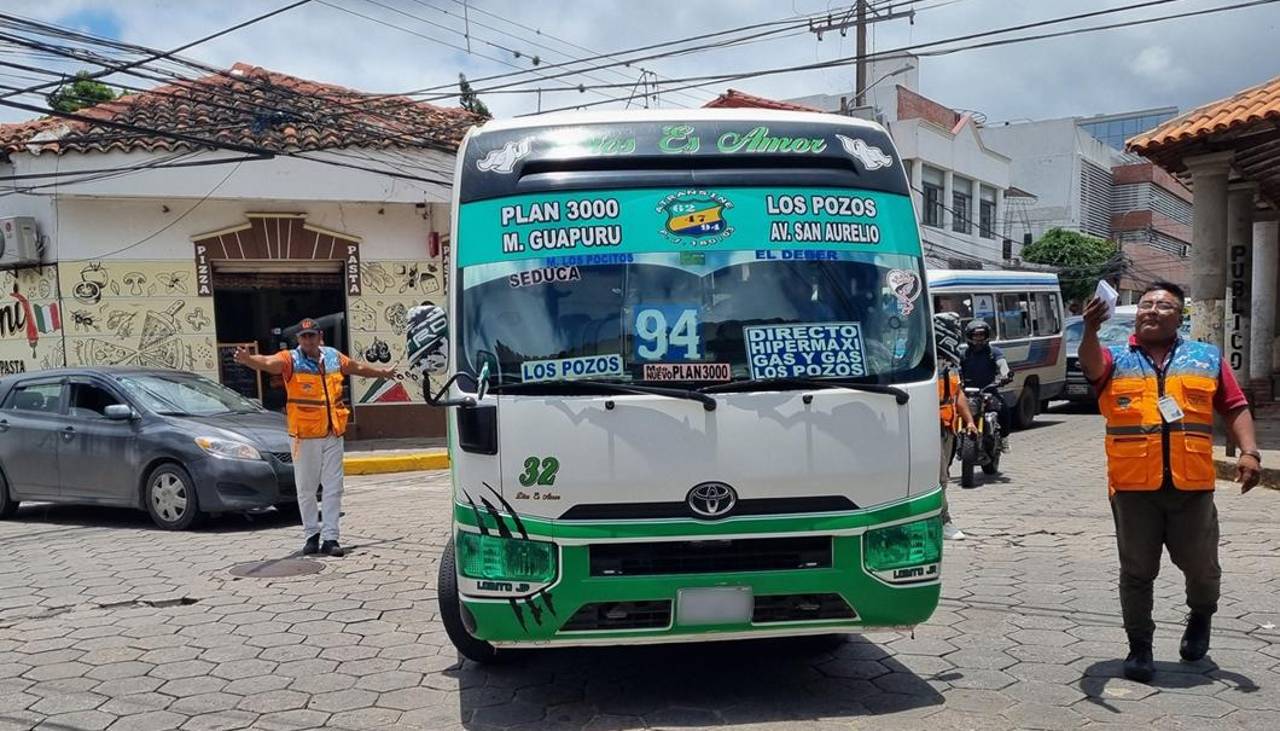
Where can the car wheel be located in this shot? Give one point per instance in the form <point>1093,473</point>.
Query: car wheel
<point>451,613</point>
<point>171,500</point>
<point>8,506</point>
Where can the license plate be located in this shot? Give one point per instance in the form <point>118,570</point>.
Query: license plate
<point>1077,389</point>
<point>718,605</point>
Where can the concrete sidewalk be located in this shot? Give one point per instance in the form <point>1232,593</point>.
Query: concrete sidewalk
<point>385,456</point>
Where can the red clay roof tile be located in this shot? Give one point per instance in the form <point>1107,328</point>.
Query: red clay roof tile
<point>247,105</point>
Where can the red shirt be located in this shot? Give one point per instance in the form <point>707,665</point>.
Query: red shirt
<point>1226,399</point>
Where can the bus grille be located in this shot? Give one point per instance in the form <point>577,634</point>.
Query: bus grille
<point>800,608</point>
<point>620,616</point>
<point>705,557</point>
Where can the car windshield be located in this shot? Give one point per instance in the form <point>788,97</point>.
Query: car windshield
<point>186,395</point>
<point>1115,331</point>
<point>697,316</point>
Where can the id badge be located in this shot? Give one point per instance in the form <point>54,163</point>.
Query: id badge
<point>1169,409</point>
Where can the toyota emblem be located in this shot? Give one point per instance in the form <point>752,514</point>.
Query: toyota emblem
<point>712,499</point>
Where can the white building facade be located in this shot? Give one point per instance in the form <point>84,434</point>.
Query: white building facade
<point>174,266</point>
<point>959,182</point>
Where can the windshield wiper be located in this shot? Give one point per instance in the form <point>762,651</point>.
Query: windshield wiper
<point>708,403</point>
<point>898,394</point>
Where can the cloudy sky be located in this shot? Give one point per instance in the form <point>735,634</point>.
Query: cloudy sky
<point>413,44</point>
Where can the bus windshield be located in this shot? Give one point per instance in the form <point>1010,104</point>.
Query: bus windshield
<point>697,316</point>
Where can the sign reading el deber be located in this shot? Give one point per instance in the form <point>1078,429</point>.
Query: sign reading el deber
<point>818,350</point>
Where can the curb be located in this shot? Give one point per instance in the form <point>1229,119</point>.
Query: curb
<point>1226,469</point>
<point>382,464</point>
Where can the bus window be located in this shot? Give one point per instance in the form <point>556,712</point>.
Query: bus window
<point>961,304</point>
<point>984,307</point>
<point>1015,316</point>
<point>1048,319</point>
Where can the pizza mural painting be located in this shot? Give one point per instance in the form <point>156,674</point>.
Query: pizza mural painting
<point>391,288</point>
<point>30,320</point>
<point>148,313</point>
<point>137,313</point>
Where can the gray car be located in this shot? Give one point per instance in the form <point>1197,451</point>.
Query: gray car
<point>172,443</point>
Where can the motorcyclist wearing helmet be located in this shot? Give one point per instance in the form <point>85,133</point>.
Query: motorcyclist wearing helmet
<point>953,407</point>
<point>982,364</point>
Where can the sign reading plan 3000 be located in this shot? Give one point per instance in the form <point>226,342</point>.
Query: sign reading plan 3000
<point>644,220</point>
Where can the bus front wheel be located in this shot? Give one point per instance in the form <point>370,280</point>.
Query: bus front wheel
<point>1024,411</point>
<point>451,612</point>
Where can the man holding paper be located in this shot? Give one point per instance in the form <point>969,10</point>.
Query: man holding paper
<point>1159,394</point>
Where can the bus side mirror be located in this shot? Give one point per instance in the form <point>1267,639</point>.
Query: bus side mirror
<point>440,398</point>
<point>467,400</point>
<point>482,382</point>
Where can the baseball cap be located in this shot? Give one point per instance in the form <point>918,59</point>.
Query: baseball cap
<point>308,326</point>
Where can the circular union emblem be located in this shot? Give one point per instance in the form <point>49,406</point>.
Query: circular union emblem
<point>712,499</point>
<point>696,217</point>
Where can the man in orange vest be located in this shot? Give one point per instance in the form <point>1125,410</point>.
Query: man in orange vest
<point>317,414</point>
<point>953,407</point>
<point>1159,394</point>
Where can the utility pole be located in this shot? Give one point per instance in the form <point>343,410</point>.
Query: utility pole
<point>859,16</point>
<point>860,76</point>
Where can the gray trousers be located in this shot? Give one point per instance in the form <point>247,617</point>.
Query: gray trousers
<point>318,462</point>
<point>1184,521</point>
<point>944,471</point>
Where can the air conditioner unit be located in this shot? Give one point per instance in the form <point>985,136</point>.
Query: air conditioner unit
<point>19,242</point>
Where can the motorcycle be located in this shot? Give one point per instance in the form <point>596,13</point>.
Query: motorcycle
<point>983,448</point>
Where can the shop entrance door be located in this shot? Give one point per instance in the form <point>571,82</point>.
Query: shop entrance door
<point>262,302</point>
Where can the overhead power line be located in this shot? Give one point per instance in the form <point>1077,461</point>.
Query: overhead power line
<point>468,23</point>
<point>873,56</point>
<point>449,44</point>
<point>213,91</point>
<point>698,81</point>
<point>170,53</point>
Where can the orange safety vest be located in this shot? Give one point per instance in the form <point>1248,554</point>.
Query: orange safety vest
<point>315,408</point>
<point>1141,448</point>
<point>948,392</point>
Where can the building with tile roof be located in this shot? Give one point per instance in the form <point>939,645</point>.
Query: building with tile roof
<point>1228,152</point>
<point>162,227</point>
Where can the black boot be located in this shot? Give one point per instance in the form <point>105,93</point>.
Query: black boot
<point>1195,641</point>
<point>312,545</point>
<point>1139,665</point>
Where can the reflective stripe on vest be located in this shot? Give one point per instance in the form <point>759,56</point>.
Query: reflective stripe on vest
<point>1141,448</point>
<point>315,407</point>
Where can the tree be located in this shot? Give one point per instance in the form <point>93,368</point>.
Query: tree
<point>80,93</point>
<point>470,100</point>
<point>1082,259</point>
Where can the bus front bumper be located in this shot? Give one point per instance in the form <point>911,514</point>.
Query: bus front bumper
<point>648,582</point>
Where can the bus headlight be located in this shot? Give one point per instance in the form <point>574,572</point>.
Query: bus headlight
<point>505,559</point>
<point>899,546</point>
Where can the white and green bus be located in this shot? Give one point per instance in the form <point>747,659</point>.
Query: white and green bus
<point>690,383</point>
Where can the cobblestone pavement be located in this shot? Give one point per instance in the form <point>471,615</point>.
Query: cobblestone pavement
<point>108,623</point>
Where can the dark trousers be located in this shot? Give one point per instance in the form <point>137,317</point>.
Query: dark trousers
<point>1184,521</point>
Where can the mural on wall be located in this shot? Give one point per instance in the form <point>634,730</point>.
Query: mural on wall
<point>30,320</point>
<point>138,313</point>
<point>378,321</point>
<point>150,313</point>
